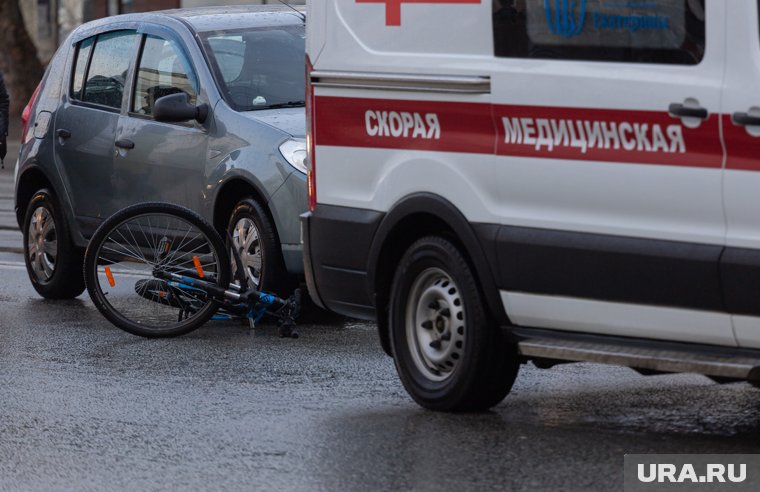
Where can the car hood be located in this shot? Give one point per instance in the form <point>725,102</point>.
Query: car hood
<point>289,120</point>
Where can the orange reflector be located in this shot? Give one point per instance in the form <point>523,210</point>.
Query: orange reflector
<point>198,268</point>
<point>161,294</point>
<point>109,276</point>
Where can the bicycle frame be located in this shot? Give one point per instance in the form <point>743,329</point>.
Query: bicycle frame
<point>250,303</point>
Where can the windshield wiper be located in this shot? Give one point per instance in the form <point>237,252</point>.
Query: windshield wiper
<point>289,104</point>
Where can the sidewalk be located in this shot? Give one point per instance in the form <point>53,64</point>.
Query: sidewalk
<point>10,236</point>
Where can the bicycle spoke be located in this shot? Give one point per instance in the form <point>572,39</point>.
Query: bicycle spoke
<point>138,249</point>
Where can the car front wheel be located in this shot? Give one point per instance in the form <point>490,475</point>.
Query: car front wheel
<point>255,239</point>
<point>448,352</point>
<point>53,262</point>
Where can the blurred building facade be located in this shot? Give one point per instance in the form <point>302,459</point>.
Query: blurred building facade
<point>49,21</point>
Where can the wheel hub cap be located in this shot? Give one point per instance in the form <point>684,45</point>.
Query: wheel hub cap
<point>435,324</point>
<point>246,241</point>
<point>42,244</point>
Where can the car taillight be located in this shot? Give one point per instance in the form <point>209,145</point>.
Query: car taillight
<point>311,176</point>
<point>26,116</point>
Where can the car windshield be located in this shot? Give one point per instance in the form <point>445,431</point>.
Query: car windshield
<point>261,68</point>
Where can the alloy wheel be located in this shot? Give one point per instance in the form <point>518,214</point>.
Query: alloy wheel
<point>247,242</point>
<point>42,243</point>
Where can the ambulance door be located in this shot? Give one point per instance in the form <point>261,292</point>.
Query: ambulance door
<point>610,164</point>
<point>740,265</point>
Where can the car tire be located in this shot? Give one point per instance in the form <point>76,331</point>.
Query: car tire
<point>449,353</point>
<point>260,250</point>
<point>53,262</point>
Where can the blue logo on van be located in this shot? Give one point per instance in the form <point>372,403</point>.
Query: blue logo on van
<point>562,19</point>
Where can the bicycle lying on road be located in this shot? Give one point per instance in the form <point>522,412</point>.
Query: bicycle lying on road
<point>160,270</point>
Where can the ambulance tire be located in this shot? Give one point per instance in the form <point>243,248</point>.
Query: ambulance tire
<point>449,353</point>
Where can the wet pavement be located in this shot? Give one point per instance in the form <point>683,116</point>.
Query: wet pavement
<point>84,406</point>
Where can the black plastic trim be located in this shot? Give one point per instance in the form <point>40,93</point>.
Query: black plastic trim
<point>740,277</point>
<point>337,241</point>
<point>610,268</point>
<point>346,245</point>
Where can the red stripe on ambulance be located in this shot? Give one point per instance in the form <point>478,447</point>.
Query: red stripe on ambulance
<point>616,136</point>
<point>397,124</point>
<point>607,135</point>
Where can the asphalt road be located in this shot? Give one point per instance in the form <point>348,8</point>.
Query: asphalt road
<point>84,406</point>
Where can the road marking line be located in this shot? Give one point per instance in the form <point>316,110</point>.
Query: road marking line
<point>12,265</point>
<point>20,265</point>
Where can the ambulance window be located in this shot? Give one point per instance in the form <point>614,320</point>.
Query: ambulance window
<point>647,31</point>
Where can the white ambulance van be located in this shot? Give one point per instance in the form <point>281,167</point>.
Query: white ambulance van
<point>502,181</point>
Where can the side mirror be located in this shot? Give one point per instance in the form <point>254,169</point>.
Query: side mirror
<point>177,108</point>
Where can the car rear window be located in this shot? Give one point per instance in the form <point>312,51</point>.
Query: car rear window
<point>258,68</point>
<point>646,31</point>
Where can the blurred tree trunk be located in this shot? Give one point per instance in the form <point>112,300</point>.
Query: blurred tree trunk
<point>21,68</point>
<point>88,10</point>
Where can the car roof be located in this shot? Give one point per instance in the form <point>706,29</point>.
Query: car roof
<point>203,19</point>
<point>235,17</point>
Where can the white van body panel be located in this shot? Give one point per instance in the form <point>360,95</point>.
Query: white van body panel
<point>741,179</point>
<point>682,193</point>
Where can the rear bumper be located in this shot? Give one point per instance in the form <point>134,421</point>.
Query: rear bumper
<point>336,243</point>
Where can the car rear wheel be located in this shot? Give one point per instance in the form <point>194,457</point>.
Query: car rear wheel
<point>255,239</point>
<point>53,262</point>
<point>449,353</point>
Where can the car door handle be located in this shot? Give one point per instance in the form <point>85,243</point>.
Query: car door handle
<point>63,133</point>
<point>745,119</point>
<point>678,109</point>
<point>125,144</point>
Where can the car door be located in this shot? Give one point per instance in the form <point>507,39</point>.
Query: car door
<point>86,124</point>
<point>157,160</point>
<point>740,266</point>
<point>610,166</point>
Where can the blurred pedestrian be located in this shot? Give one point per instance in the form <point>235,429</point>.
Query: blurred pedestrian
<point>4,109</point>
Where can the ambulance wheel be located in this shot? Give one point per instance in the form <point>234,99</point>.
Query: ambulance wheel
<point>449,354</point>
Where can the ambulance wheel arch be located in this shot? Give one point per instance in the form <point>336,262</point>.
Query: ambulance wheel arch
<point>420,215</point>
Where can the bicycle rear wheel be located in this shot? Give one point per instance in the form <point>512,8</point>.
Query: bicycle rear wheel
<point>128,255</point>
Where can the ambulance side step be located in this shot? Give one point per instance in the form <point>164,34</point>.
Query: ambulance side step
<point>547,348</point>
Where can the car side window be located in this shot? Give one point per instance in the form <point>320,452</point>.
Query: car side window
<point>108,68</point>
<point>655,31</point>
<point>80,67</point>
<point>163,70</point>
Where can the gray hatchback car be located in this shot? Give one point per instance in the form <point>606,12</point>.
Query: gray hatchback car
<point>200,107</point>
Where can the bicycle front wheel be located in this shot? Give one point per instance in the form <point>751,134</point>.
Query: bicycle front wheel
<point>129,256</point>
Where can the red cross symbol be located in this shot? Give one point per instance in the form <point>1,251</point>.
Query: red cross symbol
<point>393,7</point>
